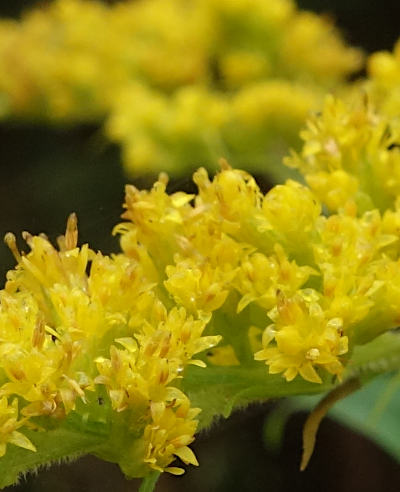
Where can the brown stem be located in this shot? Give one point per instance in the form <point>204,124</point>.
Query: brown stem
<point>313,421</point>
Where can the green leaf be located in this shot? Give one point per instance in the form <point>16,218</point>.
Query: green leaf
<point>218,390</point>
<point>359,412</point>
<point>376,357</point>
<point>52,446</point>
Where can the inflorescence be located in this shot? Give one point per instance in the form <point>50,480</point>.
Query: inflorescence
<point>228,276</point>
<point>290,283</point>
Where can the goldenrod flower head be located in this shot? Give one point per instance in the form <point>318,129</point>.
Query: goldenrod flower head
<point>169,435</point>
<point>230,197</point>
<point>273,103</point>
<point>62,313</point>
<point>349,155</point>
<point>302,338</point>
<point>261,276</point>
<point>198,287</point>
<point>291,210</point>
<point>308,48</point>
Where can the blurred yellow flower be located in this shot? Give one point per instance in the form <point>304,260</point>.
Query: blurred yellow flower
<point>178,84</point>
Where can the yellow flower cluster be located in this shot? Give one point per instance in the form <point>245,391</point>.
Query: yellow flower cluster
<point>197,125</point>
<point>351,154</point>
<point>174,79</point>
<point>351,149</point>
<point>314,286</point>
<point>270,276</point>
<point>73,321</point>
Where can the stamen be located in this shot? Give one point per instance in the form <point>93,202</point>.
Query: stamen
<point>11,243</point>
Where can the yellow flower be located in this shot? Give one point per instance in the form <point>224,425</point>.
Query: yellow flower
<point>274,104</point>
<point>260,277</point>
<point>238,252</point>
<point>138,379</point>
<point>169,435</point>
<point>78,327</point>
<point>291,212</point>
<point>198,287</point>
<point>9,424</point>
<point>350,155</point>
<point>312,45</point>
<point>303,339</point>
<point>64,310</point>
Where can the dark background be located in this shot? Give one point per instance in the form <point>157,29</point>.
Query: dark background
<point>372,24</point>
<point>46,173</point>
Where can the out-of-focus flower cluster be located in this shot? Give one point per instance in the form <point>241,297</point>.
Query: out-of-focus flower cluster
<point>179,83</point>
<point>384,80</point>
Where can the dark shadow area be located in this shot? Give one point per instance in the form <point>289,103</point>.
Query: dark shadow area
<point>49,173</point>
<point>372,25</point>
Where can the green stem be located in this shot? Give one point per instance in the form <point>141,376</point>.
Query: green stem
<point>148,483</point>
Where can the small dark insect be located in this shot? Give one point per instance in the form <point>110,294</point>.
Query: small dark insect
<point>100,400</point>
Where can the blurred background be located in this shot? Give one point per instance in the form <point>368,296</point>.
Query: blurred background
<point>48,172</point>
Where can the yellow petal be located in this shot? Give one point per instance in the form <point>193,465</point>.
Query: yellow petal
<point>128,343</point>
<point>157,410</point>
<point>174,470</point>
<point>20,440</point>
<point>308,372</point>
<point>186,455</point>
